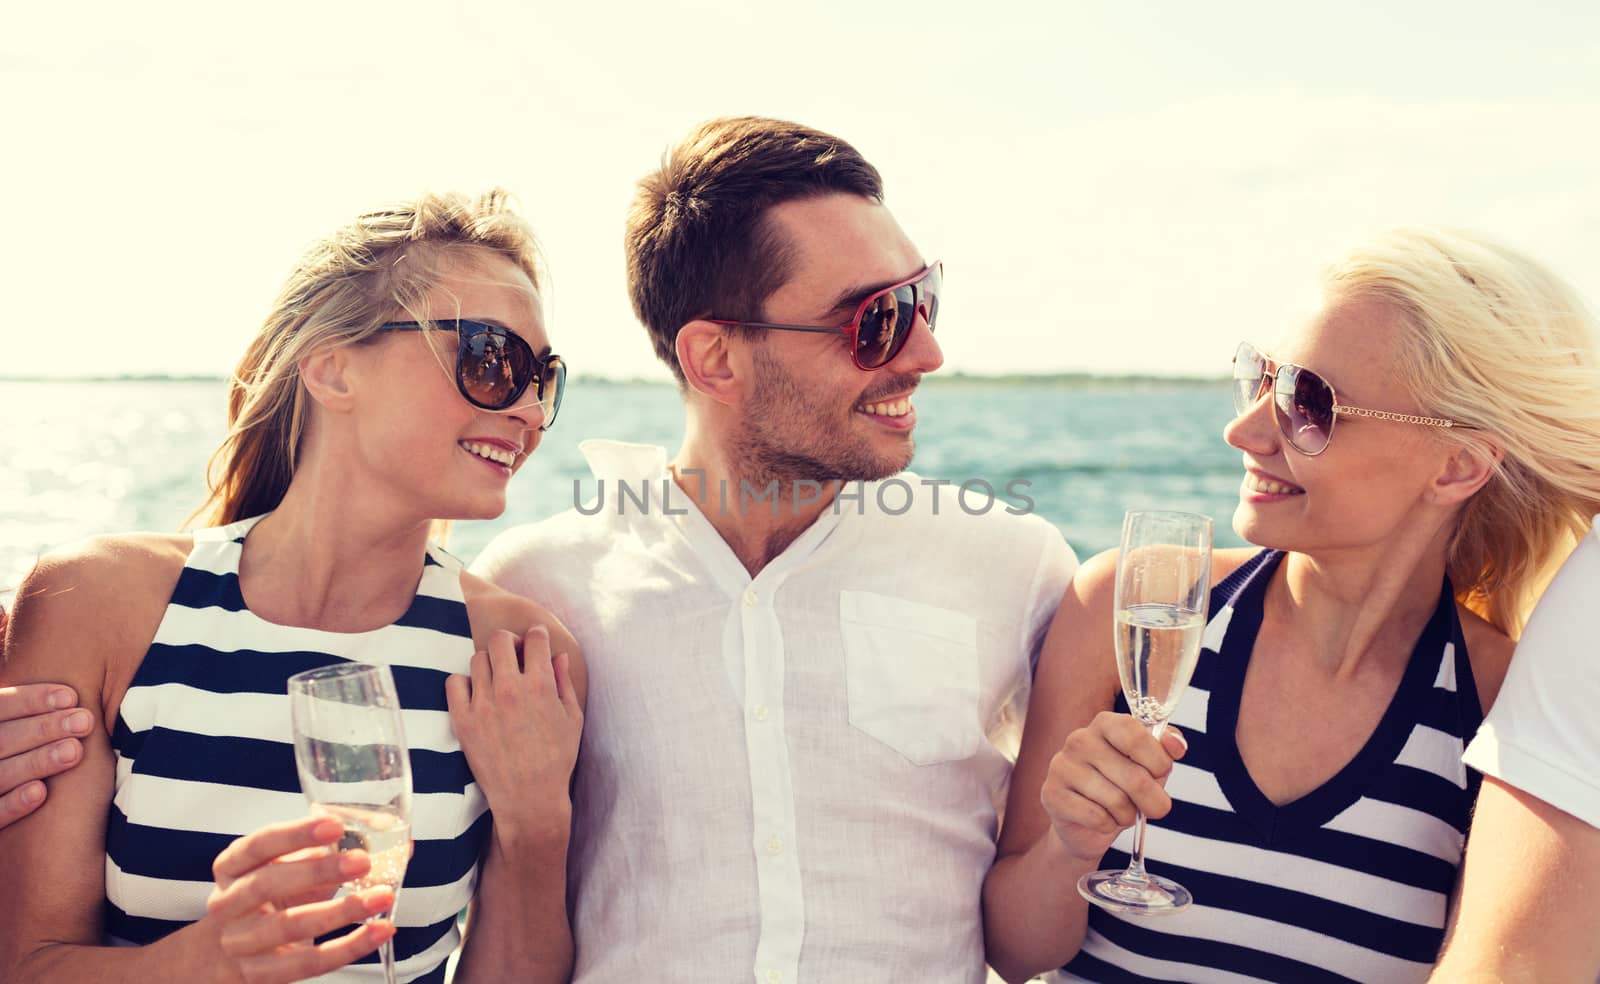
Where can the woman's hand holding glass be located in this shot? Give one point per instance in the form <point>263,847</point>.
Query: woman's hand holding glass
<point>1163,579</point>
<point>272,900</point>
<point>355,769</point>
<point>1104,775</point>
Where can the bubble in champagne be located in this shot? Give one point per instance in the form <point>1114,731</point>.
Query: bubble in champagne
<point>1148,710</point>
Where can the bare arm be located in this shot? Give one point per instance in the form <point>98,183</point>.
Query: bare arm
<point>520,727</point>
<point>1080,778</point>
<point>53,861</point>
<point>1523,914</point>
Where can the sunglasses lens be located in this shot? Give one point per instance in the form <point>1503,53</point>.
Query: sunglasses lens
<point>1305,408</point>
<point>552,383</point>
<point>879,334</point>
<point>494,368</point>
<point>888,318</point>
<point>1248,368</point>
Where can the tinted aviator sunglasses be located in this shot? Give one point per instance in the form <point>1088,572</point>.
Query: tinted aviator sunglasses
<point>495,366</point>
<point>1303,403</point>
<point>883,320</point>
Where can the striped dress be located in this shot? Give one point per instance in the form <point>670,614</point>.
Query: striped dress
<point>1348,883</point>
<point>205,754</point>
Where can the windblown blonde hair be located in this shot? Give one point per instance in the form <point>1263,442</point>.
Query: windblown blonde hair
<point>1493,340</point>
<point>381,265</point>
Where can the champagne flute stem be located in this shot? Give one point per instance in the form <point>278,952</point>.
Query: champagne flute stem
<point>386,954</point>
<point>386,948</point>
<point>1135,870</point>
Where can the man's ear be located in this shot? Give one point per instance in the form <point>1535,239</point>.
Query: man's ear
<point>706,353</point>
<point>326,374</point>
<point>1466,470</point>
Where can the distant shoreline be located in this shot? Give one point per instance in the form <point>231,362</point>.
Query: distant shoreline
<point>939,379</point>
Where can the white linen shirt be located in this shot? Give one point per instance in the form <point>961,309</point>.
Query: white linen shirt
<point>791,777</point>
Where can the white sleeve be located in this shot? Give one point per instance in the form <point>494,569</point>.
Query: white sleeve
<point>1051,574</point>
<point>508,562</point>
<point>1543,734</point>
<point>1057,564</point>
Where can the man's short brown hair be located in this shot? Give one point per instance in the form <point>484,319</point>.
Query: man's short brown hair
<point>698,241</point>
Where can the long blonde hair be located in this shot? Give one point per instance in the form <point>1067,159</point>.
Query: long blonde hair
<point>341,291</point>
<point>1492,339</point>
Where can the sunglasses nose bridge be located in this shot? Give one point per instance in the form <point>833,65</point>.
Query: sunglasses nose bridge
<point>1256,429</point>
<point>1264,385</point>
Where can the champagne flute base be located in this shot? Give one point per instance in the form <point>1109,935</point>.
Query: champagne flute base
<point>1118,891</point>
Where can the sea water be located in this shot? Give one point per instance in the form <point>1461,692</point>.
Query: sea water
<point>82,458</point>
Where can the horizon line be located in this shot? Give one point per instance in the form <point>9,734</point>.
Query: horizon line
<point>1062,375</point>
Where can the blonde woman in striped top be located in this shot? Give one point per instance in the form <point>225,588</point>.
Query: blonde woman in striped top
<point>1318,811</point>
<point>402,377</point>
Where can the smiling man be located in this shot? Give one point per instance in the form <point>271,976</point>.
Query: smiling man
<point>799,685</point>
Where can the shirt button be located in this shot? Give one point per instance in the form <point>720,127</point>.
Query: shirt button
<point>775,846</point>
<point>750,598</point>
<point>774,977</point>
<point>759,712</point>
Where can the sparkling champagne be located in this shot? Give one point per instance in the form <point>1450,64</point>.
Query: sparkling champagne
<point>383,834</point>
<point>1157,647</point>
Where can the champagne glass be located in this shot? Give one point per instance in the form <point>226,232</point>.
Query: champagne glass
<point>1163,584</point>
<point>350,750</point>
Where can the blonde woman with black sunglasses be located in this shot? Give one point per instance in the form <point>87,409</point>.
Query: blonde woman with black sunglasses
<point>402,377</point>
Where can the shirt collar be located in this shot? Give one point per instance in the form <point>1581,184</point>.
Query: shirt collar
<point>622,461</point>
<point>645,465</point>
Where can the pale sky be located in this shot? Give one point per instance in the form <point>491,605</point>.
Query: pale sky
<point>1112,186</point>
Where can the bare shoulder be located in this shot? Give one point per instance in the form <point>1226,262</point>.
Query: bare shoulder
<point>491,607</point>
<point>110,577</point>
<point>1488,650</point>
<point>1082,630</point>
<point>1095,582</point>
<point>86,613</point>
<point>1228,560</point>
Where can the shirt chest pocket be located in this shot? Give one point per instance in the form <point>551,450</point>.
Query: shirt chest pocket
<point>911,671</point>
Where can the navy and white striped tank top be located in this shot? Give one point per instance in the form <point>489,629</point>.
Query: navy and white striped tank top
<point>205,754</point>
<point>1348,883</point>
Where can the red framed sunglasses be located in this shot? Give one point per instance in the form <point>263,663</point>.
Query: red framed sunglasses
<point>883,320</point>
<point>1303,403</point>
